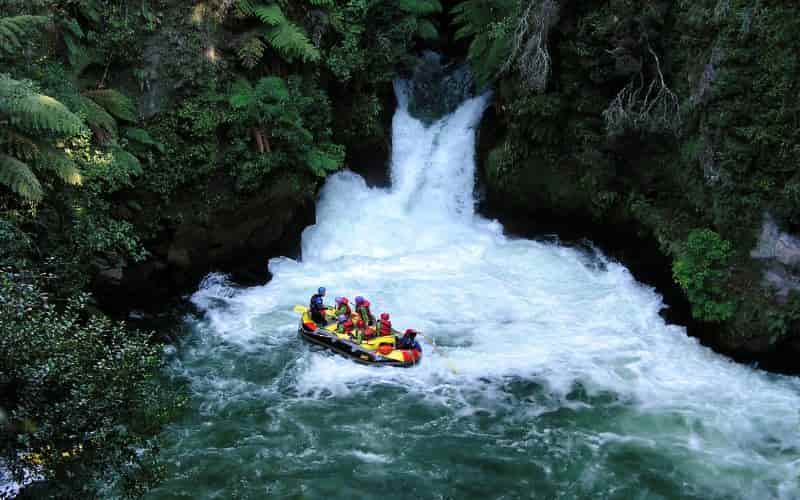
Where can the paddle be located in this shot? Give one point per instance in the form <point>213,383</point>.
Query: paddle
<point>304,309</point>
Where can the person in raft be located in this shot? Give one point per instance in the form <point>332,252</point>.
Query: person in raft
<point>384,325</point>
<point>362,309</point>
<point>361,331</point>
<point>408,341</point>
<point>316,306</point>
<point>345,325</point>
<point>343,307</point>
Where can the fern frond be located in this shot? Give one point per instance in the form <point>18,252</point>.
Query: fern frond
<point>13,30</point>
<point>142,137</point>
<point>61,165</point>
<point>19,145</point>
<point>73,26</point>
<point>30,111</point>
<point>95,114</point>
<point>251,51</point>
<point>271,15</point>
<point>245,8</point>
<point>291,42</point>
<point>116,103</point>
<point>127,161</point>
<point>19,178</point>
<point>419,7</point>
<point>322,3</point>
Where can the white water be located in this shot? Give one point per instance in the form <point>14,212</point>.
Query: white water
<point>505,309</point>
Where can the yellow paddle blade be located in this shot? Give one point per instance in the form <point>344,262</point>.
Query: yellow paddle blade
<point>300,309</point>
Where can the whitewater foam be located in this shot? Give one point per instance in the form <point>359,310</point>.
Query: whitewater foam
<point>525,329</point>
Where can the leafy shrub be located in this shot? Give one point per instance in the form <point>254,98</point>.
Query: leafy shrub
<point>80,394</point>
<point>701,270</point>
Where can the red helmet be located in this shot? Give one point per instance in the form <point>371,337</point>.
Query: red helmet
<point>385,316</point>
<point>411,333</point>
<point>344,300</point>
<point>361,323</point>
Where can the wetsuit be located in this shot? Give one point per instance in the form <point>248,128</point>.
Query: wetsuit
<point>407,342</point>
<point>317,309</point>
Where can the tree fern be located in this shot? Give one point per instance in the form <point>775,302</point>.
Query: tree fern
<point>286,38</point>
<point>291,42</point>
<point>127,162</point>
<point>19,178</point>
<point>13,32</point>
<point>271,15</point>
<point>95,114</point>
<point>116,103</point>
<point>61,166</point>
<point>30,111</point>
<point>143,138</point>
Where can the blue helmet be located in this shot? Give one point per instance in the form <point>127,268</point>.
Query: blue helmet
<point>359,299</point>
<point>338,300</point>
<point>321,290</point>
<point>342,318</point>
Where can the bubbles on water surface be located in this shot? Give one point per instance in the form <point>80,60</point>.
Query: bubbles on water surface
<point>554,375</point>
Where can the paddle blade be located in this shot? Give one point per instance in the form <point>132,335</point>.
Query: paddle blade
<point>300,309</point>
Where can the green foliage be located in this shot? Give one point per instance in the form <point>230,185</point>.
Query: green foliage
<point>292,118</point>
<point>25,109</point>
<point>701,269</point>
<point>33,122</point>
<point>115,103</point>
<point>81,393</point>
<point>283,36</point>
<point>14,32</point>
<point>18,177</point>
<point>489,25</point>
<point>420,7</point>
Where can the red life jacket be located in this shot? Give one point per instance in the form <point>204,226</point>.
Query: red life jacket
<point>348,312</point>
<point>370,318</point>
<point>386,327</point>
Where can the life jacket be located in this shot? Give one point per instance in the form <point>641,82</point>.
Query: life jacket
<point>345,327</point>
<point>407,342</point>
<point>386,327</point>
<point>316,303</point>
<point>365,313</point>
<point>344,309</point>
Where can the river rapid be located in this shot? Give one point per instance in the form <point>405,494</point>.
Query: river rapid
<point>555,376</point>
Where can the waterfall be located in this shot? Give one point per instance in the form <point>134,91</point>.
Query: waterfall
<point>555,375</point>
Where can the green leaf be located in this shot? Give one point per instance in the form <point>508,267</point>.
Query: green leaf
<point>142,137</point>
<point>116,103</point>
<point>18,177</point>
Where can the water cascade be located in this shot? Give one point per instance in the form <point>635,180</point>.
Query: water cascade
<point>554,377</point>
